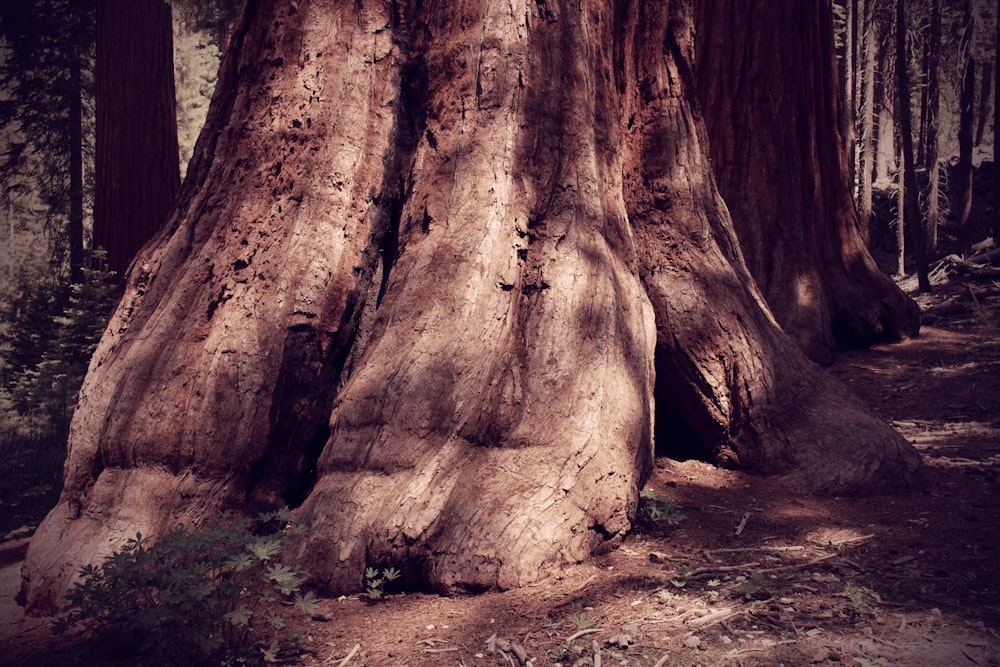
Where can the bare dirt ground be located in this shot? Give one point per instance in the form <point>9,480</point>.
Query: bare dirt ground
<point>753,575</point>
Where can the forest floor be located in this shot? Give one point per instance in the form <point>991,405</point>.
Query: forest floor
<point>753,575</point>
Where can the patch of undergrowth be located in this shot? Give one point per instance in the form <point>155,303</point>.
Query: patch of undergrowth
<point>215,595</point>
<point>862,603</point>
<point>30,475</point>
<point>375,580</point>
<point>657,513</point>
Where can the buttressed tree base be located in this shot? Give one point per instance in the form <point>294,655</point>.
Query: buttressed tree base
<point>437,274</point>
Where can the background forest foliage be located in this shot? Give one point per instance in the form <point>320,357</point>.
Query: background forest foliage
<point>51,320</point>
<point>56,294</point>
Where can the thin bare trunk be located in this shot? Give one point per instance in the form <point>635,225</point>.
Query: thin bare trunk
<point>886,148</point>
<point>908,180</point>
<point>901,218</point>
<point>962,205</point>
<point>996,133</point>
<point>75,170</point>
<point>867,162</point>
<point>921,157</point>
<point>847,79</point>
<point>932,197</point>
<point>985,99</point>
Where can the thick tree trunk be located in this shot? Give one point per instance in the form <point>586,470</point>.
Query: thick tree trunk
<point>430,272</point>
<point>796,222</point>
<point>137,171</point>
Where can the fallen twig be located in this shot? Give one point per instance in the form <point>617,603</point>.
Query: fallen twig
<point>708,571</point>
<point>743,524</point>
<point>712,617</point>
<point>350,655</point>
<point>849,540</point>
<point>799,566</point>
<point>745,549</point>
<point>580,633</point>
<point>735,653</point>
<point>662,661</point>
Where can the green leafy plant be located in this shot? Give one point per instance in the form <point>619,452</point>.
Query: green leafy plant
<point>755,588</point>
<point>209,596</point>
<point>657,513</point>
<point>862,603</point>
<point>375,581</point>
<point>581,621</point>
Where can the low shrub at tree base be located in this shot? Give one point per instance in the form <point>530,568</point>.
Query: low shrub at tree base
<point>205,596</point>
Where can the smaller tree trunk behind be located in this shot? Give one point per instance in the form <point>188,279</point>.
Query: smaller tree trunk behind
<point>925,58</point>
<point>962,203</point>
<point>797,226</point>
<point>931,131</point>
<point>908,182</point>
<point>866,158</point>
<point>886,149</point>
<point>75,171</point>
<point>137,163</point>
<point>847,80</point>
<point>985,93</point>
<point>901,218</point>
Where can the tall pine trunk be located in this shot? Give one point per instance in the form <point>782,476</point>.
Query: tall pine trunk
<point>437,274</point>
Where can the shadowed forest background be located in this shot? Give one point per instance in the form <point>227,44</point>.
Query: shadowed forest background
<point>86,186</point>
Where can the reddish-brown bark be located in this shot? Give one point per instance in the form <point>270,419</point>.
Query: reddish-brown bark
<point>767,81</point>
<point>433,270</point>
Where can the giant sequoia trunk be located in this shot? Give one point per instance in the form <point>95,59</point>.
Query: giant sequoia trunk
<point>437,273</point>
<point>779,157</point>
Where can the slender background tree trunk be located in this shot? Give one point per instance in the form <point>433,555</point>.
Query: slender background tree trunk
<point>931,124</point>
<point>866,160</point>
<point>908,174</point>
<point>76,258</point>
<point>962,200</point>
<point>137,164</point>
